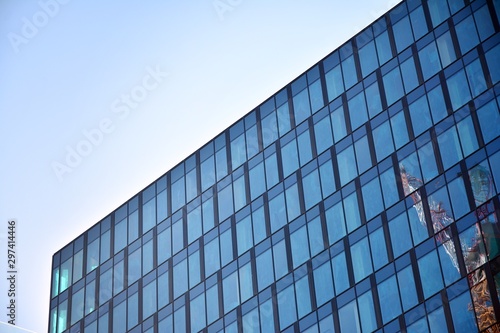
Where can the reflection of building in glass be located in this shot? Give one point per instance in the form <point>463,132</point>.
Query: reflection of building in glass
<point>363,196</point>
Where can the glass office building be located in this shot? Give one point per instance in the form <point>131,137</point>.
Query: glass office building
<point>363,196</point>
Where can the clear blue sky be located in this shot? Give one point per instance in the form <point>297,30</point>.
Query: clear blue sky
<point>149,82</point>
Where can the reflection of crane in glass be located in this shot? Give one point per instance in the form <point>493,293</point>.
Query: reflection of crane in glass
<point>473,250</point>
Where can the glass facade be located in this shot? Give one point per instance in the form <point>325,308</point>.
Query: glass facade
<point>364,196</point>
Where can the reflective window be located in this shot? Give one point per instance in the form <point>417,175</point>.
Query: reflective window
<point>338,124</point>
<point>475,76</point>
<point>334,83</point>
<point>409,74</point>
<point>400,235</point>
<point>383,47</point>
<point>402,33</point>
<point>429,60</point>
<point>449,147</point>
<point>446,49</point>
<point>368,58</point>
<point>390,305</point>
<point>489,118</point>
<point>439,11</point>
<point>357,110</point>
<point>348,317</point>
<point>346,161</point>
<point>493,63</point>
<point>420,115</point>
<point>323,134</point>
<point>323,283</point>
<point>286,307</point>
<point>361,259</point>
<point>393,85</point>
<point>301,106</point>
<point>467,34</point>
<point>372,198</point>
<point>430,273</point>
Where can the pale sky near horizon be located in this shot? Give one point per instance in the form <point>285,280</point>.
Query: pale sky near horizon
<point>66,68</point>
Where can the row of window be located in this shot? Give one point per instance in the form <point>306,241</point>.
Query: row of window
<point>365,251</point>
<point>395,289</point>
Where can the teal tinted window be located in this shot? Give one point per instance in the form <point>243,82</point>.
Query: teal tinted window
<point>367,311</point>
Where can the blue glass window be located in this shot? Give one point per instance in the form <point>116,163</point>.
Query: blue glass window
<point>467,135</point>
<point>430,273</point>
<point>357,110</point>
<point>287,312</point>
<point>244,234</point>
<point>212,257</point>
<point>463,318</point>
<point>212,295</point>
<point>226,247</point>
<point>393,85</point>
<point>407,288</point>
<point>467,34</point>
<point>349,70</point>
<point>299,245</point>
<point>446,49</point>
<point>323,134</point>
<point>402,34</point>
<point>389,188</point>
<point>383,47</point>
<point>272,176</point>
<point>292,202</point>
<point>257,181</point>
<point>475,76</point>
<point>368,58</point>
<point>335,223</point>
<point>427,161</point>
<point>493,63</point>
<point>305,150</point>
<point>180,278</point>
<point>327,178</point>
<point>382,139</point>
<point>238,151</point>
<point>348,317</point>
<point>207,171</point>
<point>198,321</point>
<point>316,95</point>
<point>340,277</point>
<point>225,202</point>
<point>361,259</point>
<point>438,106</point>
<point>280,259</point>
<point>194,224</point>
<point>420,115</point>
<point>265,271</point>
<point>399,129</point>
<point>439,11</point>
<point>489,118</point>
<point>303,296</point>
<point>246,285</point>
<point>231,292</point>
<point>418,22</point>
<point>390,304</point>
<point>290,158</point>
<point>429,60</point>
<point>372,198</point>
<point>351,209</point>
<point>277,213</point>
<point>240,198</point>
<point>449,147</point>
<point>346,163</point>
<point>409,74</point>
<point>338,123</point>
<point>323,283</point>
<point>363,156</point>
<point>178,194</point>
<point>373,100</point>
<point>379,251</point>
<point>334,83</point>
<point>367,311</point>
<point>311,184</point>
<point>400,235</point>
<point>301,106</point>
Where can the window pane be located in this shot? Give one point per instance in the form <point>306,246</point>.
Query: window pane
<point>429,60</point>
<point>449,147</point>
<point>373,100</point>
<point>277,213</point>
<point>265,272</point>
<point>357,110</point>
<point>467,34</point>
<point>493,63</point>
<point>338,123</point>
<point>301,106</point>
<point>439,11</point>
<point>418,22</point>
<point>489,118</point>
<point>363,156</point>
<point>334,83</point>
<point>244,234</point>
<point>340,277</point>
<point>430,274</point>
<point>310,184</point>
<point>389,187</point>
<point>367,311</point>
<point>379,251</point>
<point>407,288</point>
<point>303,296</point>
<point>335,223</point>
<point>290,158</point>
<point>420,115</point>
<point>348,317</point>
<point>390,305</point>
<point>231,292</point>
<point>409,74</point>
<point>475,76</point>
<point>300,247</point>
<point>327,178</point>
<point>346,163</point>
<point>286,307</point>
<point>352,212</point>
<point>393,86</point>
<point>323,283</point>
<point>368,59</point>
<point>399,129</point>
<point>463,318</point>
<point>349,70</point>
<point>383,47</point>
<point>238,151</point>
<point>402,33</point>
<point>361,260</point>
<point>372,198</point>
<point>400,235</point>
<point>323,134</point>
<point>438,106</point>
<point>446,49</point>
